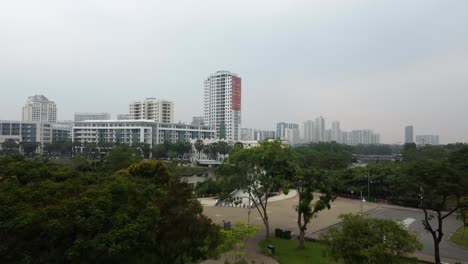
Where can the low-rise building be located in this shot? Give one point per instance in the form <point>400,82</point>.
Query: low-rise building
<point>23,131</point>
<point>138,131</point>
<point>422,140</point>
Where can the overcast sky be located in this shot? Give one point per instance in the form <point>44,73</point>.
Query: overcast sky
<point>370,64</point>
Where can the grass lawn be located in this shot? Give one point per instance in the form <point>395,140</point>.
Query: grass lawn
<point>287,252</point>
<point>458,238</point>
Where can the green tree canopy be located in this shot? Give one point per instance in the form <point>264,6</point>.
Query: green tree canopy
<point>121,157</point>
<point>362,239</point>
<point>142,214</point>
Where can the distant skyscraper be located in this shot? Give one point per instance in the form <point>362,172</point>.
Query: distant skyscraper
<point>409,134</point>
<point>247,134</point>
<point>289,132</point>
<point>309,131</point>
<point>40,109</point>
<point>336,132</point>
<point>422,140</point>
<point>320,129</point>
<point>223,104</point>
<point>281,130</point>
<point>158,110</point>
<point>91,116</point>
<point>363,136</point>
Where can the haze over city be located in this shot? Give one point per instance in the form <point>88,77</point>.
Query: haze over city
<point>371,65</point>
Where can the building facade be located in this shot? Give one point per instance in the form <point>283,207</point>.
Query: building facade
<point>138,131</point>
<point>289,132</point>
<point>22,131</point>
<point>409,134</point>
<point>422,140</point>
<point>39,109</point>
<point>79,117</point>
<point>223,104</point>
<point>35,132</point>
<point>250,134</point>
<point>309,131</point>
<point>198,120</point>
<point>158,110</point>
<point>124,117</point>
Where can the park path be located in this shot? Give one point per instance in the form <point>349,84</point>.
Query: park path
<point>253,252</point>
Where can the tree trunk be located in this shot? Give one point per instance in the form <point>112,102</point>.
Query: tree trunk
<point>299,224</point>
<point>437,252</point>
<point>267,228</point>
<point>301,238</point>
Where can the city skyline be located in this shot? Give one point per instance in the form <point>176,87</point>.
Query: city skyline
<point>298,60</point>
<point>318,133</point>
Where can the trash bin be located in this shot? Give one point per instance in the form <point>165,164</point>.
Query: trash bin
<point>271,249</point>
<point>287,235</point>
<point>278,233</point>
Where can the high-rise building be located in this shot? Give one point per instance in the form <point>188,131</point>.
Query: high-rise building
<point>281,130</point>
<point>158,110</point>
<point>223,104</point>
<point>39,109</point>
<point>247,134</point>
<point>289,132</point>
<point>250,134</point>
<point>422,140</point>
<point>409,134</point>
<point>91,116</point>
<point>362,136</point>
<point>309,131</point>
<point>319,129</point>
<point>336,132</point>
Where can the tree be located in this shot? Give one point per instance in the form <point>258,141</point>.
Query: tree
<point>462,215</point>
<point>237,146</point>
<point>199,146</point>
<point>436,184</point>
<point>160,151</point>
<point>361,239</point>
<point>121,157</point>
<point>224,148</point>
<point>306,183</point>
<point>10,146</point>
<point>29,148</point>
<point>260,171</point>
<point>142,214</point>
<point>145,150</point>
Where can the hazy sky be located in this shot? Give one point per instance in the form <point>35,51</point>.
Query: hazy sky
<point>370,64</point>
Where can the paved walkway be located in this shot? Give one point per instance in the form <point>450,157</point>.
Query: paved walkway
<point>253,253</point>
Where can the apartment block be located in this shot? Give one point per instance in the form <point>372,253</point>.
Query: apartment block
<point>158,110</point>
<point>39,108</point>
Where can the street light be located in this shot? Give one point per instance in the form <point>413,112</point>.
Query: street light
<point>362,201</point>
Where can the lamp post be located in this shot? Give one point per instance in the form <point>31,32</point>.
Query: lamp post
<point>362,201</point>
<point>421,197</point>
<point>248,213</point>
<point>368,185</point>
